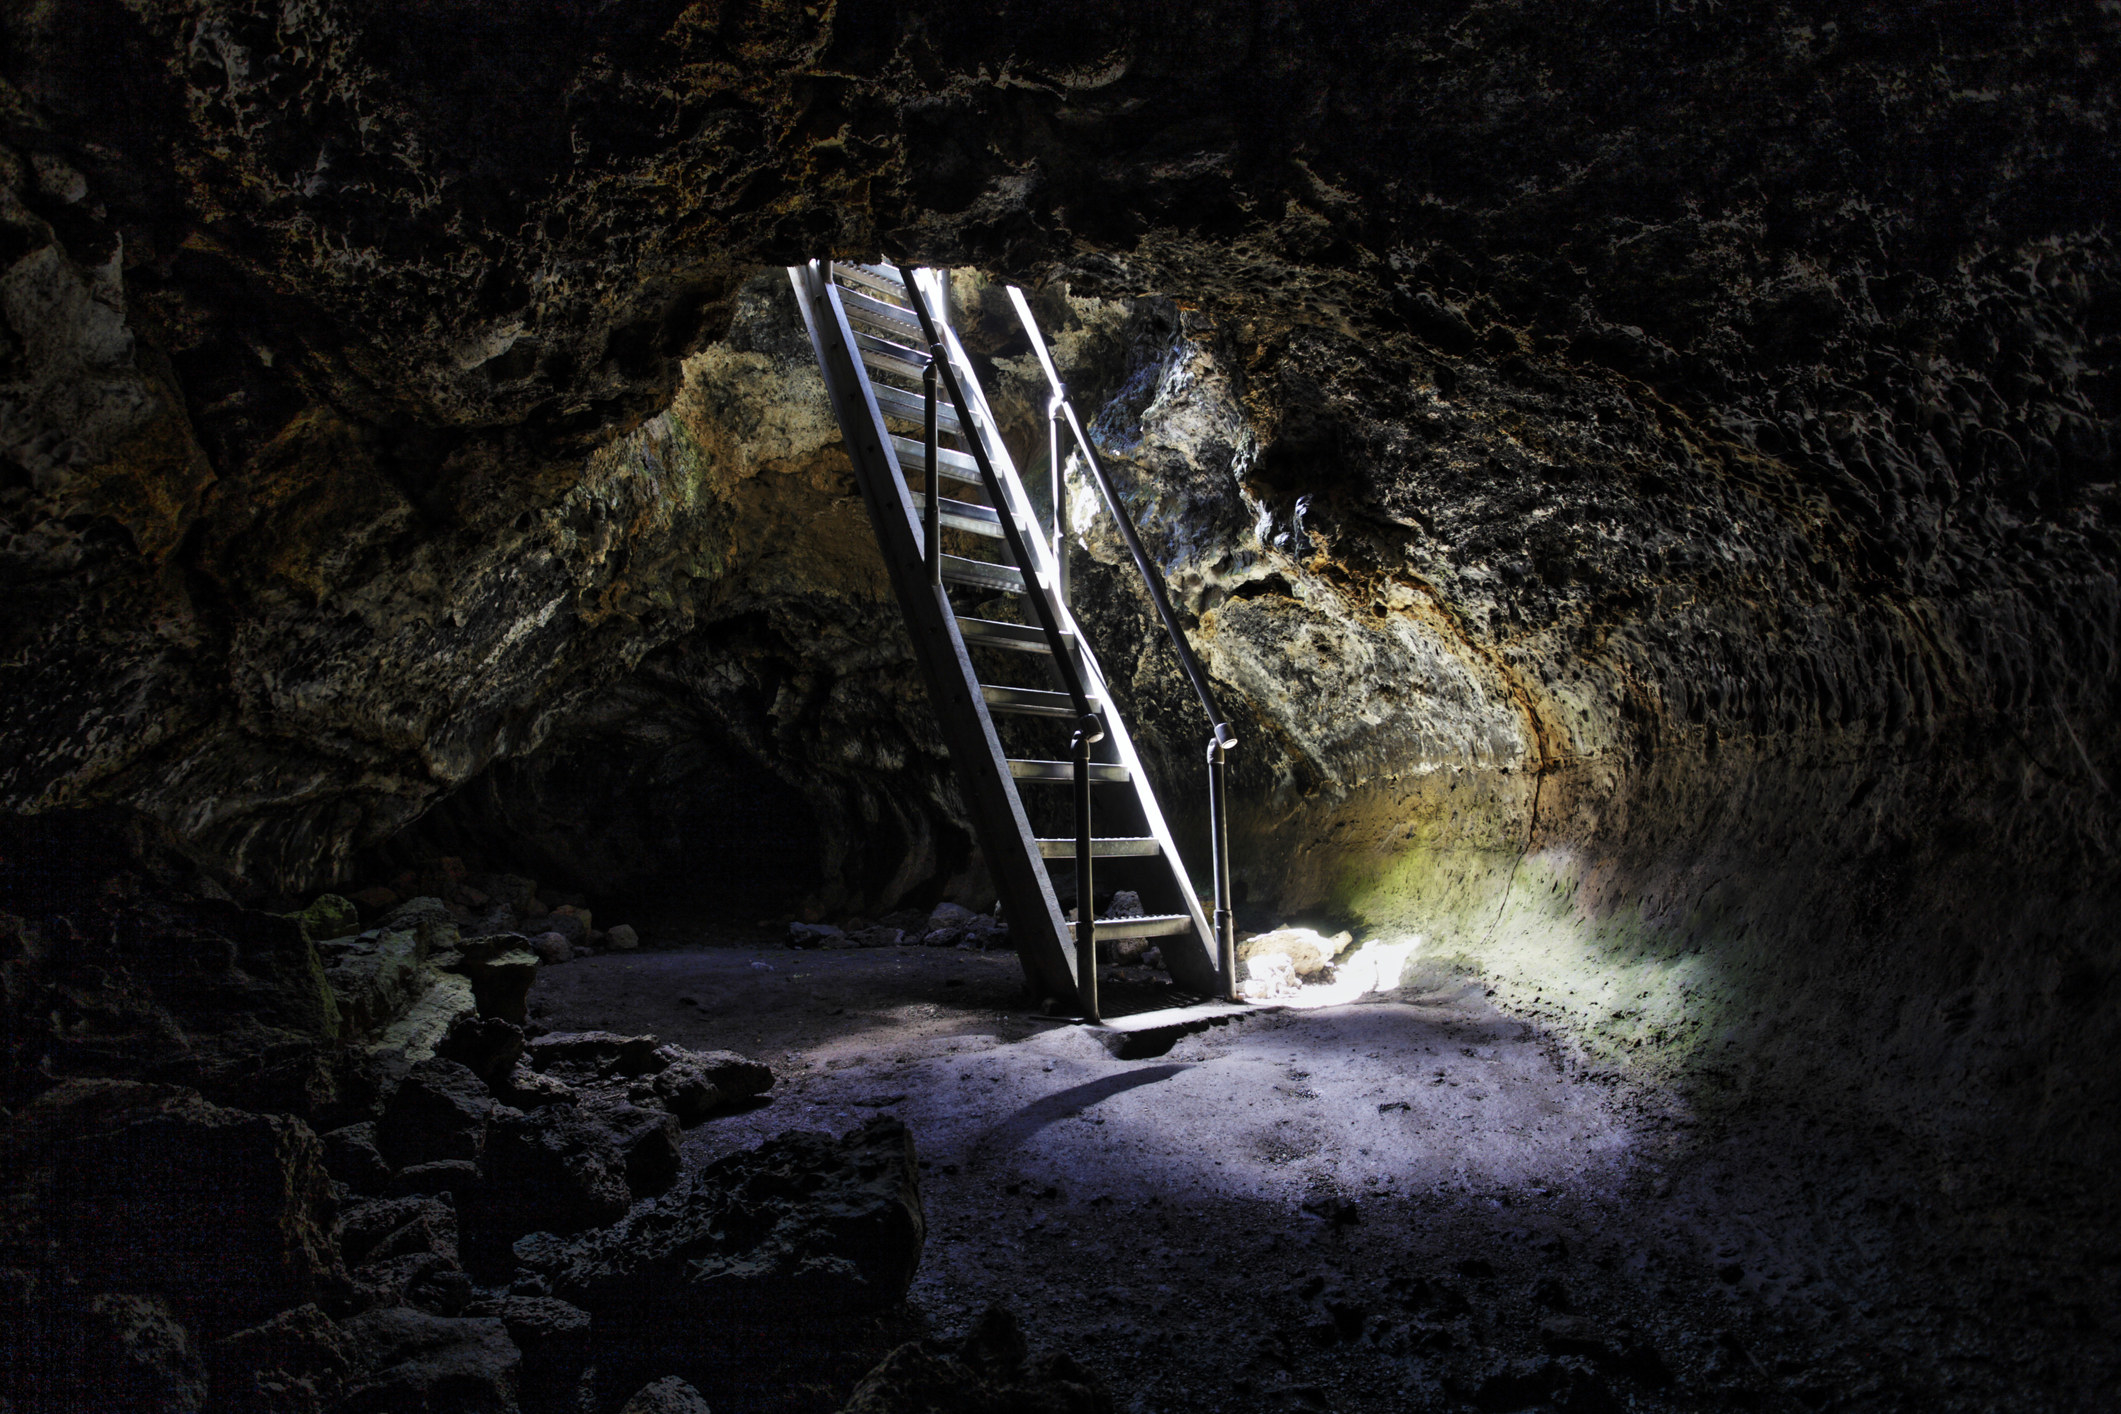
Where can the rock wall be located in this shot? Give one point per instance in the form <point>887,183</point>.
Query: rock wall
<point>1643,474</point>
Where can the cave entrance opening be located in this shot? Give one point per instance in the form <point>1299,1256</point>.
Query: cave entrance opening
<point>984,588</point>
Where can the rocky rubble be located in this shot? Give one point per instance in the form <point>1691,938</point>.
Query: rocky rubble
<point>163,1251</point>
<point>990,1371</point>
<point>805,1230</point>
<point>947,925</point>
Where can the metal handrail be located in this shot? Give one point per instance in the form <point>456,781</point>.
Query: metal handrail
<point>1222,739</point>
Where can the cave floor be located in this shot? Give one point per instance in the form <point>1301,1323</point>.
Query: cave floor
<point>1411,1201</point>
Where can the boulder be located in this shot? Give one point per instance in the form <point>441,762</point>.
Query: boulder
<point>294,1363</point>
<point>525,1089</point>
<point>108,1351</point>
<point>501,968</point>
<point>810,935</point>
<point>154,1189</point>
<point>1309,951</point>
<point>647,1137</point>
<point>554,1339</point>
<point>439,1112</point>
<point>554,1169</point>
<point>413,1362</point>
<point>443,1176</point>
<point>382,1228</point>
<point>581,1056</point>
<point>414,1036</point>
<point>351,1156</point>
<point>622,938</point>
<point>669,1395</point>
<point>989,1372</point>
<point>426,1280</point>
<point>202,993</point>
<point>374,977</point>
<point>330,916</point>
<point>427,918</point>
<point>804,1226</point>
<point>552,948</point>
<point>489,1046</point>
<point>694,1084</point>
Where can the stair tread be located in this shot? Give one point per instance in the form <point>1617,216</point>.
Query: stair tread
<point>879,278</point>
<point>1179,1016</point>
<point>1027,701</point>
<point>1108,847</point>
<point>950,463</point>
<point>1006,578</point>
<point>888,360</point>
<point>963,510</point>
<point>993,633</point>
<point>876,311</point>
<point>913,407</point>
<point>1157,925</point>
<point>1063,772</point>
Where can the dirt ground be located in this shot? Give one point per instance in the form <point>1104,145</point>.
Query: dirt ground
<point>1409,1201</point>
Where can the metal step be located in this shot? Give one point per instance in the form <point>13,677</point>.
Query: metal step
<point>1148,1034</point>
<point>1028,701</point>
<point>1199,1014</point>
<point>1118,847</point>
<point>879,280</point>
<point>993,633</point>
<point>885,358</point>
<point>982,575</point>
<point>1062,773</point>
<point>950,464</point>
<point>1156,925</point>
<point>963,515</point>
<point>912,407</point>
<point>881,312</point>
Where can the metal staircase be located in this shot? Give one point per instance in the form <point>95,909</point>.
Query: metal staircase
<point>924,445</point>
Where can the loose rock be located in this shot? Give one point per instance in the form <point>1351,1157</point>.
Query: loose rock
<point>295,1363</point>
<point>669,1395</point>
<point>694,1084</point>
<point>439,1112</point>
<point>804,1226</point>
<point>412,1362</point>
<point>989,1372</point>
<point>150,1187</point>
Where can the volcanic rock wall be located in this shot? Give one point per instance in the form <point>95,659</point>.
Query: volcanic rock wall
<point>1641,473</point>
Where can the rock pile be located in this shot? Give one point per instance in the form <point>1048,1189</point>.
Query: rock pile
<point>991,1371</point>
<point>557,926</point>
<point>945,926</point>
<point>805,1232</point>
<point>325,1215</point>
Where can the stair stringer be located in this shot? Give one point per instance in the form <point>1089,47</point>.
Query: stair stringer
<point>1036,928</point>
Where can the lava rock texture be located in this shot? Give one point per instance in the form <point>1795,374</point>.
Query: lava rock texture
<point>1642,475</point>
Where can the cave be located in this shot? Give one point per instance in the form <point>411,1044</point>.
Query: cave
<point>495,917</point>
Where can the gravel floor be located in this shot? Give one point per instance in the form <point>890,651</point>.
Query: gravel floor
<point>1410,1201</point>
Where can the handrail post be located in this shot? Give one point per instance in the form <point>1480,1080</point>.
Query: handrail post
<point>1086,732</point>
<point>1060,491</point>
<point>1219,847</point>
<point>932,515</point>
